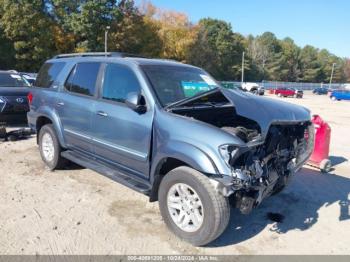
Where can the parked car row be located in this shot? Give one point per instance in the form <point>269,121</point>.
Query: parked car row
<point>246,87</point>
<point>335,94</point>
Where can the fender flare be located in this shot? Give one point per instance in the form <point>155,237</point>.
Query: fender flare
<point>47,112</point>
<point>184,152</point>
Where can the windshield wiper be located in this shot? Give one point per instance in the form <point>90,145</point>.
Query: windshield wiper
<point>189,99</point>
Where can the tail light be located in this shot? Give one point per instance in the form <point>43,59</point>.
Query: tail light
<point>30,98</point>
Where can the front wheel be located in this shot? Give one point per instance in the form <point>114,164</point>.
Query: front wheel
<point>191,207</point>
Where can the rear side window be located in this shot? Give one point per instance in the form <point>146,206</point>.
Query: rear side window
<point>48,74</point>
<point>82,79</point>
<point>118,82</point>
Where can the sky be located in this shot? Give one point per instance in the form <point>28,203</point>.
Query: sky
<point>320,23</point>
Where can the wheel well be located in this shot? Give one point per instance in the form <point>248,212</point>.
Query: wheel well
<point>40,122</point>
<point>163,168</point>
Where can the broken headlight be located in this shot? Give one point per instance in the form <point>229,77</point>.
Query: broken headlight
<point>2,103</point>
<point>227,151</point>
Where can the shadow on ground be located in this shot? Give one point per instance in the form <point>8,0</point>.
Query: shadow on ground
<point>337,160</point>
<point>298,203</point>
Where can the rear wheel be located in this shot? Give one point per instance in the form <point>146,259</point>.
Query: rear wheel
<point>50,149</point>
<point>191,207</point>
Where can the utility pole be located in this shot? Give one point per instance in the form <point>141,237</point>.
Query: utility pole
<point>330,80</point>
<point>106,37</point>
<point>242,78</point>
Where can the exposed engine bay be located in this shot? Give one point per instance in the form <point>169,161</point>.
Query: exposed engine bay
<point>265,164</point>
<point>262,170</point>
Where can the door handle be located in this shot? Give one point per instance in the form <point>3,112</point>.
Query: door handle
<point>60,104</point>
<point>101,113</point>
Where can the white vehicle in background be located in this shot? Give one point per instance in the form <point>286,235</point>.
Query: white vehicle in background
<point>253,88</point>
<point>345,86</point>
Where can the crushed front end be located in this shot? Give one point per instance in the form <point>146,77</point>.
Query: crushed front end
<point>264,168</point>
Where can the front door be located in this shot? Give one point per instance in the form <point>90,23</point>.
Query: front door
<point>121,135</point>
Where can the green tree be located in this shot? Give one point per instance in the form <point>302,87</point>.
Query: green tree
<point>88,21</point>
<point>225,46</point>
<point>200,53</point>
<point>265,52</point>
<point>7,52</point>
<point>289,61</point>
<point>311,68</point>
<point>30,30</point>
<point>347,70</point>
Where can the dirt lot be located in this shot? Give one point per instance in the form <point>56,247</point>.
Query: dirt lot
<point>77,211</point>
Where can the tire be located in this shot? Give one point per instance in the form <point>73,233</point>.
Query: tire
<point>54,161</point>
<point>215,209</point>
<point>333,98</point>
<point>279,95</point>
<point>325,166</point>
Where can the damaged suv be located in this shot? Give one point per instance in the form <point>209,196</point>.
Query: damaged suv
<point>170,131</point>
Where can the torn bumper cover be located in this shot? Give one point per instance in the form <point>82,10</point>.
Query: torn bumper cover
<point>261,169</point>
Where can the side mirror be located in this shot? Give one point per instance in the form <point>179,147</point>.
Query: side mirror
<point>136,102</point>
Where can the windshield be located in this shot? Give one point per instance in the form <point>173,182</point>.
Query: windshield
<point>175,83</point>
<point>12,80</point>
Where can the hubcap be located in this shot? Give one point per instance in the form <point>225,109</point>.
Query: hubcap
<point>185,207</point>
<point>47,146</point>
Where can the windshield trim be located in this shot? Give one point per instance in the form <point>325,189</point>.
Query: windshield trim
<point>188,67</point>
<point>192,98</point>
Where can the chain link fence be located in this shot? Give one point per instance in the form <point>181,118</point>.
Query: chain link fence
<point>296,85</point>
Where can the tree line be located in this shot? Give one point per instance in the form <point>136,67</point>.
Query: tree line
<point>33,31</point>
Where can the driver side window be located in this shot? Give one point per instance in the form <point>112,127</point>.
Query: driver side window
<point>118,82</point>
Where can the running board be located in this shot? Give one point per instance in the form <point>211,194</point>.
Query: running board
<point>104,169</point>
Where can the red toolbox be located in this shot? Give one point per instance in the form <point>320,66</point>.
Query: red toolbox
<point>320,154</point>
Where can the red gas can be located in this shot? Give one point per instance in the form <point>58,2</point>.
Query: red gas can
<point>320,154</point>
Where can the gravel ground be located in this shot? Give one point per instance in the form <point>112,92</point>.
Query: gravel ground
<point>77,211</point>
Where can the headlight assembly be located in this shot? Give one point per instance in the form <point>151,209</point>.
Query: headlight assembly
<point>227,151</point>
<point>2,103</point>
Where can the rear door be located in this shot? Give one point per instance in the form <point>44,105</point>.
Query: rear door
<point>122,136</point>
<point>75,105</point>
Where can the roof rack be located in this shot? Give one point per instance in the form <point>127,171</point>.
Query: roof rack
<point>97,54</point>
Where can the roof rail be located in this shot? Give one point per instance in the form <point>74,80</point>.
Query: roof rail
<point>98,54</point>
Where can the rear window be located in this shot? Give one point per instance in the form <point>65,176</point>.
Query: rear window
<point>82,79</point>
<point>12,80</point>
<point>48,74</point>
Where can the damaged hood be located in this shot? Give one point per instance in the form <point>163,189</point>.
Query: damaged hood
<point>266,111</point>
